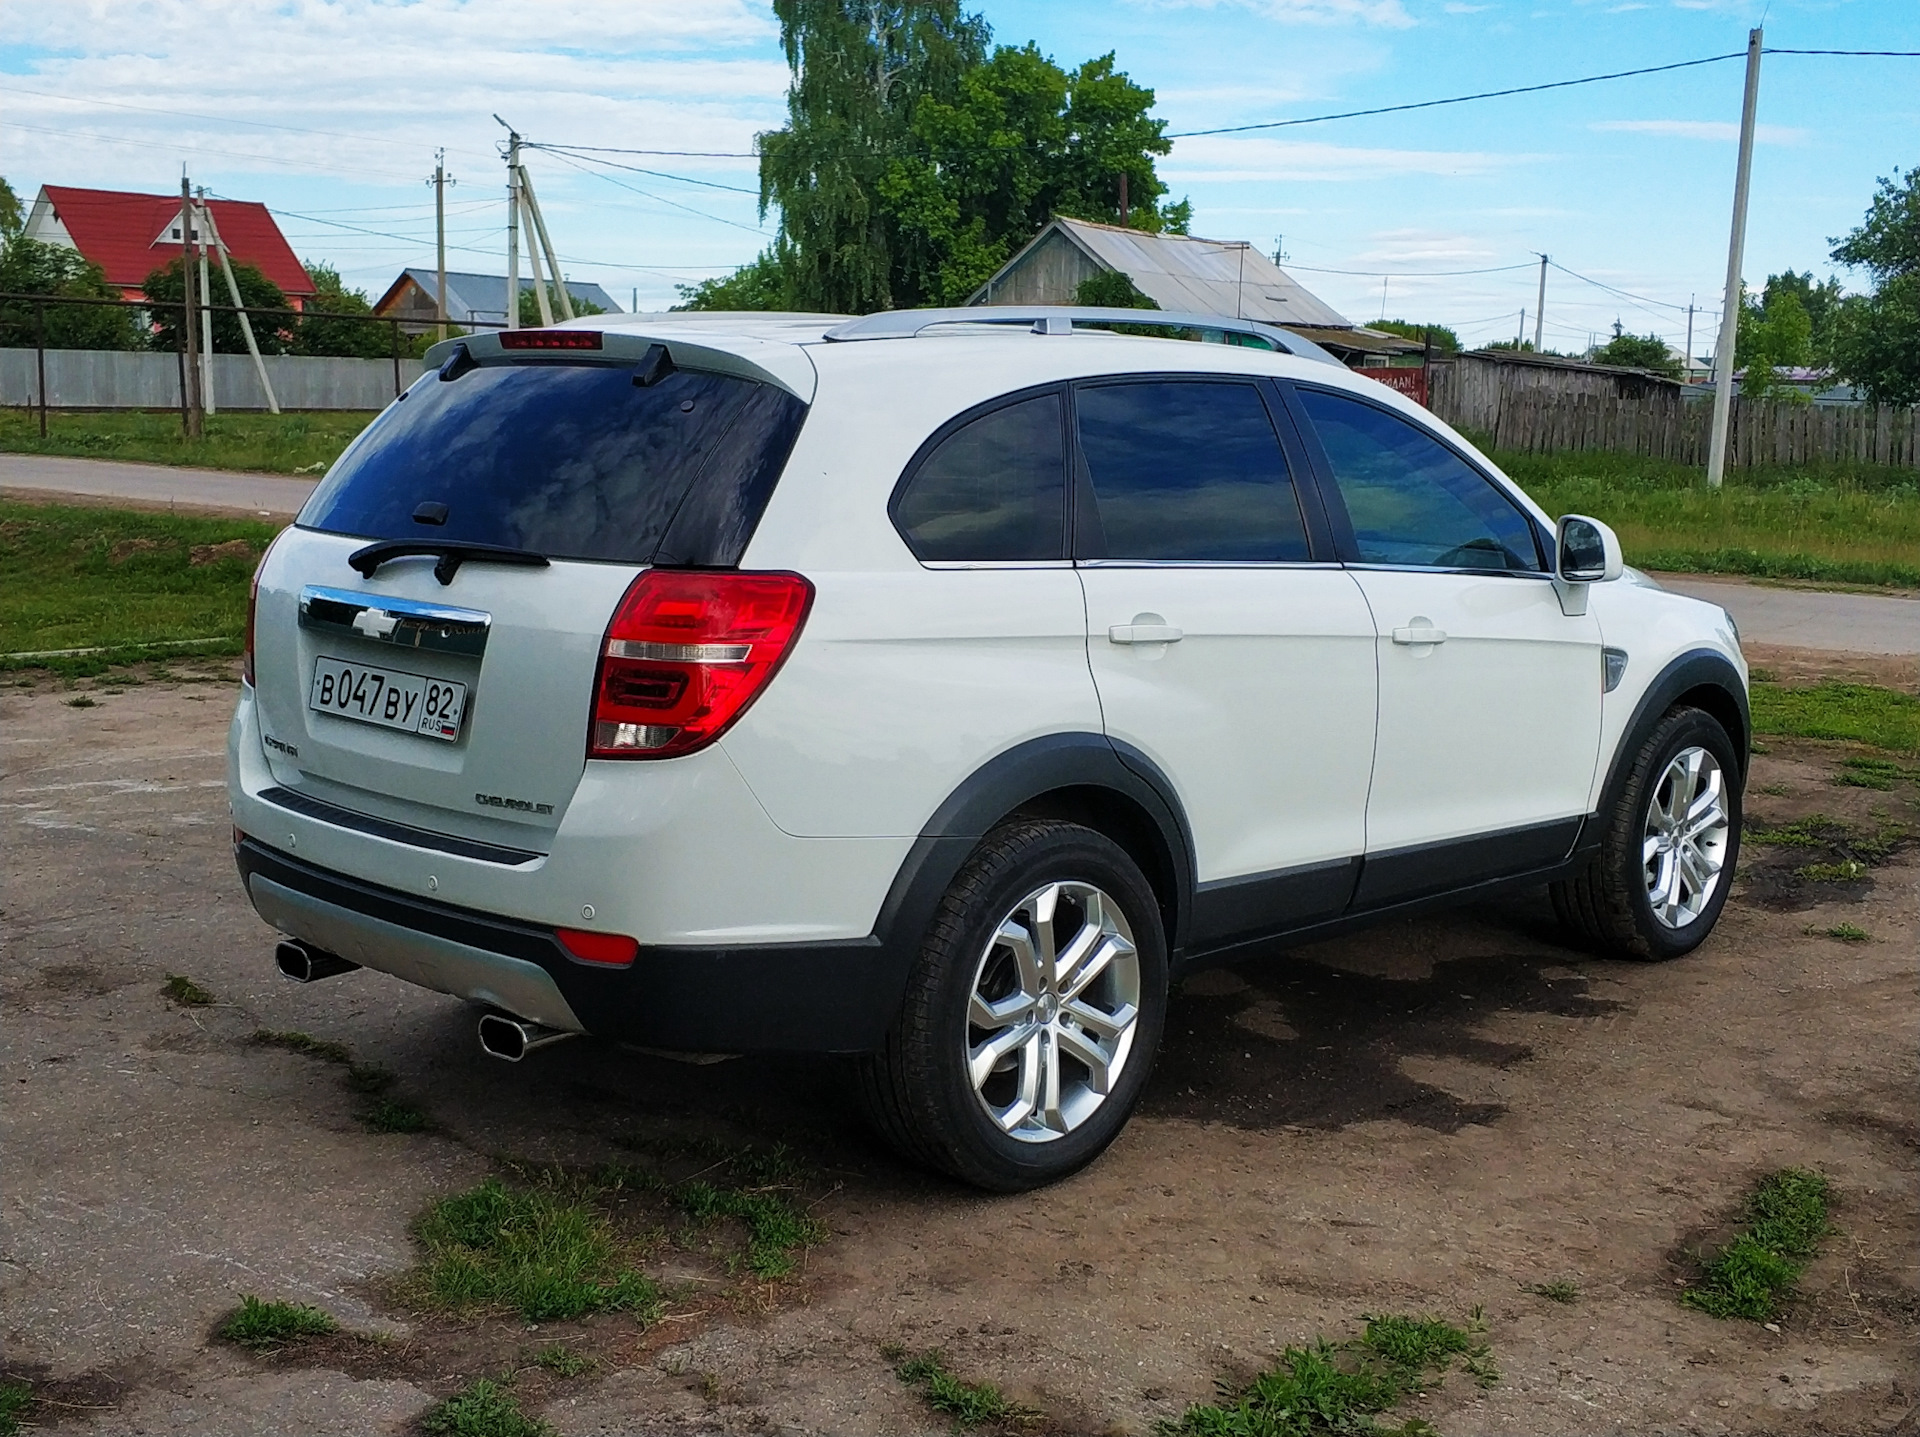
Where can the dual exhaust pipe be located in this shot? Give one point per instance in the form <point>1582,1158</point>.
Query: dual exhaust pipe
<point>502,1035</point>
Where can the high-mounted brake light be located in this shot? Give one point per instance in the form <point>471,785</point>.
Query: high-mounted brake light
<point>687,651</point>
<point>614,950</point>
<point>550,339</point>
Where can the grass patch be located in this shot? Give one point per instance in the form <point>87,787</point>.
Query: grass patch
<point>1330,1388</point>
<point>261,1325</point>
<point>1853,524</point>
<point>1786,1216</point>
<point>546,1252</point>
<point>562,1361</point>
<point>482,1409</point>
<point>183,990</point>
<point>1845,932</point>
<point>1559,1290</point>
<point>16,1401</point>
<point>1879,773</point>
<point>303,1044</point>
<point>386,1115</point>
<point>1847,870</point>
<point>124,581</point>
<point>754,1187</point>
<point>1814,831</point>
<point>969,1404</point>
<point>265,443</point>
<point>1864,713</point>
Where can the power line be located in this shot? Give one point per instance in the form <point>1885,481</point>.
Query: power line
<point>657,174</point>
<point>1407,273</point>
<point>689,154</point>
<point>1459,99</point>
<point>1899,54</point>
<point>658,199</point>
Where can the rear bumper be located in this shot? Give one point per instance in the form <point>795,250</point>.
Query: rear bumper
<point>786,997</point>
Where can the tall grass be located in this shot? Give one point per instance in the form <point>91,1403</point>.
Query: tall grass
<point>264,443</point>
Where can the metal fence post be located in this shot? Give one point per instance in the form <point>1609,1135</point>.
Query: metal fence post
<point>40,358</point>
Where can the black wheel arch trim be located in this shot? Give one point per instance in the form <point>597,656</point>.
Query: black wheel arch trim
<point>1689,673</point>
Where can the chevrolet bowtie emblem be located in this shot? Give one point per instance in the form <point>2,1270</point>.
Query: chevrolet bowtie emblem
<point>375,623</point>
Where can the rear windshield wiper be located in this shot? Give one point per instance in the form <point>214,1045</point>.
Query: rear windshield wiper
<point>451,555</point>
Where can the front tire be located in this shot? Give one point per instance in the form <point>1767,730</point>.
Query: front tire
<point>1667,853</point>
<point>1032,1014</point>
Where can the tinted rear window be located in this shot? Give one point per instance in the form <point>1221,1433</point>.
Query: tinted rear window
<point>994,490</point>
<point>572,461</point>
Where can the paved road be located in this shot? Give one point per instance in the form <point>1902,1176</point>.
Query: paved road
<point>271,494</point>
<point>1801,618</point>
<point>1808,618</point>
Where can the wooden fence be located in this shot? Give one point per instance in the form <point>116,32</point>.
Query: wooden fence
<point>1761,432</point>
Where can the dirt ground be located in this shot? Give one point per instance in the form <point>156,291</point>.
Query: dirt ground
<point>1424,1119</point>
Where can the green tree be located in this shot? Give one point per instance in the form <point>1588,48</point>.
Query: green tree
<point>1111,289</point>
<point>166,288</point>
<point>12,217</point>
<point>1776,334</point>
<point>761,283</point>
<point>316,333</point>
<point>1445,341</point>
<point>530,307</point>
<point>914,162</point>
<point>1875,341</point>
<point>30,267</point>
<point>1639,351</point>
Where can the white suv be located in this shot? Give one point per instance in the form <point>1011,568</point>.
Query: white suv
<point>938,688</point>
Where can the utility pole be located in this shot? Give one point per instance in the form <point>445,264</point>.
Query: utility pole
<point>440,183</point>
<point>1540,309</point>
<point>513,226</point>
<point>537,231</point>
<point>189,317</point>
<point>533,253</point>
<point>246,324</point>
<point>1736,242</point>
<point>206,303</point>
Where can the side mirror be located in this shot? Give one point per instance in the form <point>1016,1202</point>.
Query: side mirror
<point>1585,551</point>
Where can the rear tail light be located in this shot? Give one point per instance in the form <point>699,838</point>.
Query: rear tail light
<point>686,652</point>
<point>612,950</point>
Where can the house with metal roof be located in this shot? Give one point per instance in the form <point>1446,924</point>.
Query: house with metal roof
<point>1180,272</point>
<point>131,235</point>
<point>473,300</point>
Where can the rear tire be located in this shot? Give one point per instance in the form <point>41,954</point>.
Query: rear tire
<point>1668,847</point>
<point>1032,1014</point>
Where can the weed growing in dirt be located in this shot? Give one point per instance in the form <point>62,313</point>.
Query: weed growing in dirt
<point>969,1404</point>
<point>259,1325</point>
<point>755,1187</point>
<point>1330,1388</point>
<point>303,1044</point>
<point>384,1115</point>
<point>482,1409</point>
<point>1786,1216</point>
<point>1847,870</point>
<point>184,991</point>
<point>1866,713</point>
<point>1559,1290</point>
<point>83,702</point>
<point>564,1362</point>
<point>544,1252</point>
<point>1845,932</point>
<point>16,1401</point>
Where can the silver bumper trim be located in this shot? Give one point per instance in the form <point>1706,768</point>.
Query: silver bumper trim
<point>511,984</point>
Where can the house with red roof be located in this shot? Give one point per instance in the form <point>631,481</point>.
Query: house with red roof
<point>130,235</point>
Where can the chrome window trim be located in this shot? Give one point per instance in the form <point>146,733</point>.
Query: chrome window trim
<point>962,564</point>
<point>405,623</point>
<point>1208,564</point>
<point>1437,569</point>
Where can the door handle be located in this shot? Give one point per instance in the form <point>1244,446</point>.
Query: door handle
<point>1144,634</point>
<point>1420,632</point>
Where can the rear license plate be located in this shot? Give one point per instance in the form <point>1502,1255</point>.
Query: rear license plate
<point>392,698</point>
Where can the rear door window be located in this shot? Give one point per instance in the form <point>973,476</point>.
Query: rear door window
<point>573,461</point>
<point>1185,471</point>
<point>1412,500</point>
<point>994,490</point>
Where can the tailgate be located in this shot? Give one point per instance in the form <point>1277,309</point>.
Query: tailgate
<point>469,706</point>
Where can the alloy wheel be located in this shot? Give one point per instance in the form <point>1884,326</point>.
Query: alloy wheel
<point>1053,1010</point>
<point>1684,842</point>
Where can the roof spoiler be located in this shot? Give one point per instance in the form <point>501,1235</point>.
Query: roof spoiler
<point>1061,319</point>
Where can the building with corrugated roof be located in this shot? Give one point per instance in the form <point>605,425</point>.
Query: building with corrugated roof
<point>473,300</point>
<point>1229,278</point>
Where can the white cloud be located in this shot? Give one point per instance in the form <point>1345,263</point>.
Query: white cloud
<point>1456,7</point>
<point>1391,14</point>
<point>1704,130</point>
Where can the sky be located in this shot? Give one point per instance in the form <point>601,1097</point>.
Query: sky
<point>332,111</point>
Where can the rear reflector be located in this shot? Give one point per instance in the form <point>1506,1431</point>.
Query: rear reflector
<point>687,651</point>
<point>614,950</point>
<point>550,339</point>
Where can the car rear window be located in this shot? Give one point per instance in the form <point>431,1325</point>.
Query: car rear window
<point>574,461</point>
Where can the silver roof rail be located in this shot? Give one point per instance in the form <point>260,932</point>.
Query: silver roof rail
<point>1061,318</point>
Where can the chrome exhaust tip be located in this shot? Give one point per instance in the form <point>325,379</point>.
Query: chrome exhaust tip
<point>510,1039</point>
<point>302,964</point>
